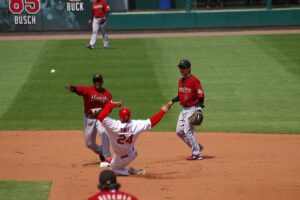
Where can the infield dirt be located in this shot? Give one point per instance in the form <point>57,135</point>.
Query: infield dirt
<point>235,166</point>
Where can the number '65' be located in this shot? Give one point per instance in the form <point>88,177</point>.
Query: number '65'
<point>31,6</point>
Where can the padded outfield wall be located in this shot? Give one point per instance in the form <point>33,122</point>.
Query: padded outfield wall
<point>68,15</point>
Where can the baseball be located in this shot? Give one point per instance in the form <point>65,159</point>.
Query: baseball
<point>52,71</point>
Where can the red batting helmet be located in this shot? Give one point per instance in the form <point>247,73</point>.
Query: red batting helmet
<point>124,114</point>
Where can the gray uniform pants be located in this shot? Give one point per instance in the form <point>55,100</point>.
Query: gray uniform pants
<point>104,32</point>
<point>185,131</point>
<point>91,127</point>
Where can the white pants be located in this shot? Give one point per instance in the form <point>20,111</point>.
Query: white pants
<point>119,163</point>
<point>91,127</point>
<point>185,131</point>
<point>104,32</point>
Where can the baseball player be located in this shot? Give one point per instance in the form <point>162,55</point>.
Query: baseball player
<point>123,134</point>
<point>94,98</point>
<point>99,16</point>
<point>191,97</point>
<point>109,188</point>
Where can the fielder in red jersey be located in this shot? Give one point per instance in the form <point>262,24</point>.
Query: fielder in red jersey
<point>100,10</point>
<point>94,99</point>
<point>109,188</point>
<point>191,98</point>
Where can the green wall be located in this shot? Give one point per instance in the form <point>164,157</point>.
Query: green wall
<point>204,19</point>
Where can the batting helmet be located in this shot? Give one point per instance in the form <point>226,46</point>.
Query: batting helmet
<point>97,78</point>
<point>184,63</point>
<point>124,114</point>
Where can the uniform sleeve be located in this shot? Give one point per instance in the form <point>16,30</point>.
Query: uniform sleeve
<point>199,90</point>
<point>156,118</point>
<point>81,90</point>
<point>106,111</point>
<point>107,8</point>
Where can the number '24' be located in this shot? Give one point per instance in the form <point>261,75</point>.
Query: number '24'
<point>123,139</point>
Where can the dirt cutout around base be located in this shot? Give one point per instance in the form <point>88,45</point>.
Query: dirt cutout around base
<point>235,166</point>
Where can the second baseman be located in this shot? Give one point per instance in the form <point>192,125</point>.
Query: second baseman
<point>191,97</point>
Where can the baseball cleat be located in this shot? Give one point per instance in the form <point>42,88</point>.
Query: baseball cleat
<point>108,159</point>
<point>90,46</point>
<point>135,171</point>
<point>194,157</point>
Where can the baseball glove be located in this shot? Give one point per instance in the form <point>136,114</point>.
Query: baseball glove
<point>196,118</point>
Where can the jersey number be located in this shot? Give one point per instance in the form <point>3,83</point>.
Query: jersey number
<point>31,6</point>
<point>123,139</point>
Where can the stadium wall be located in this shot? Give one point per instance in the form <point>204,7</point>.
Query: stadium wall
<point>205,19</point>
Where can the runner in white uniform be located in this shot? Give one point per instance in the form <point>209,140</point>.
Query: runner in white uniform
<point>123,134</point>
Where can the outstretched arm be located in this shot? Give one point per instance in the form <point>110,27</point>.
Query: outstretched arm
<point>107,109</point>
<point>158,116</point>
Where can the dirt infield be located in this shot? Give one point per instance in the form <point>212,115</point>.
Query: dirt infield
<point>235,166</point>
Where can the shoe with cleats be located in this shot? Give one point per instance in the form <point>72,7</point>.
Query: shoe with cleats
<point>194,157</point>
<point>135,171</point>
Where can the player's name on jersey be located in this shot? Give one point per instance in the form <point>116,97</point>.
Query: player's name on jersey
<point>25,19</point>
<point>74,6</point>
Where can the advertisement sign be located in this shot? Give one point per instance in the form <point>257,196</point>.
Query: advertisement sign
<point>35,15</point>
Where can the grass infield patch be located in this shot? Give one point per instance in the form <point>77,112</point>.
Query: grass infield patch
<point>24,190</point>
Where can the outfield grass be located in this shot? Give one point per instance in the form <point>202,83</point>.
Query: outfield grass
<point>252,83</point>
<point>24,190</point>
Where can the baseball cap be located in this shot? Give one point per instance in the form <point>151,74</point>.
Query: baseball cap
<point>108,180</point>
<point>97,78</point>
<point>184,63</point>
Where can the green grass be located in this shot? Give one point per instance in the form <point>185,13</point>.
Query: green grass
<point>24,190</point>
<point>251,83</point>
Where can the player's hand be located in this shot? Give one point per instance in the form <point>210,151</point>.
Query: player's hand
<point>90,21</point>
<point>70,87</point>
<point>169,104</point>
<point>165,108</point>
<point>102,20</point>
<point>118,103</point>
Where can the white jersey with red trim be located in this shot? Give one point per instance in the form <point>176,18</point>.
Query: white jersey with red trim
<point>123,135</point>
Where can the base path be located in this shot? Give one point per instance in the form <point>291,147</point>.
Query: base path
<point>235,166</point>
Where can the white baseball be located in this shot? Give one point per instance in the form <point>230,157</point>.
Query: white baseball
<point>52,71</point>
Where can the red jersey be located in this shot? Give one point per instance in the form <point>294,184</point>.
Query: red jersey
<point>92,98</point>
<point>112,195</point>
<point>189,91</point>
<point>100,9</point>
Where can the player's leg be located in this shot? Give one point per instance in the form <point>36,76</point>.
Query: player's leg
<point>95,26</point>
<point>90,134</point>
<point>189,132</point>
<point>105,140</point>
<point>104,32</point>
<point>119,163</point>
<point>180,128</point>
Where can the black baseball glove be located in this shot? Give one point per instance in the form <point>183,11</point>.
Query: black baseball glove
<point>197,117</point>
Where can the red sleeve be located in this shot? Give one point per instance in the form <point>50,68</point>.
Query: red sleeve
<point>106,7</point>
<point>106,110</point>
<point>199,89</point>
<point>80,90</point>
<point>156,118</point>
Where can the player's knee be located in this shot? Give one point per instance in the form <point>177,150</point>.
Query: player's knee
<point>90,145</point>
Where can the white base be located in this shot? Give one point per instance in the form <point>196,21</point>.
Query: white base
<point>104,164</point>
